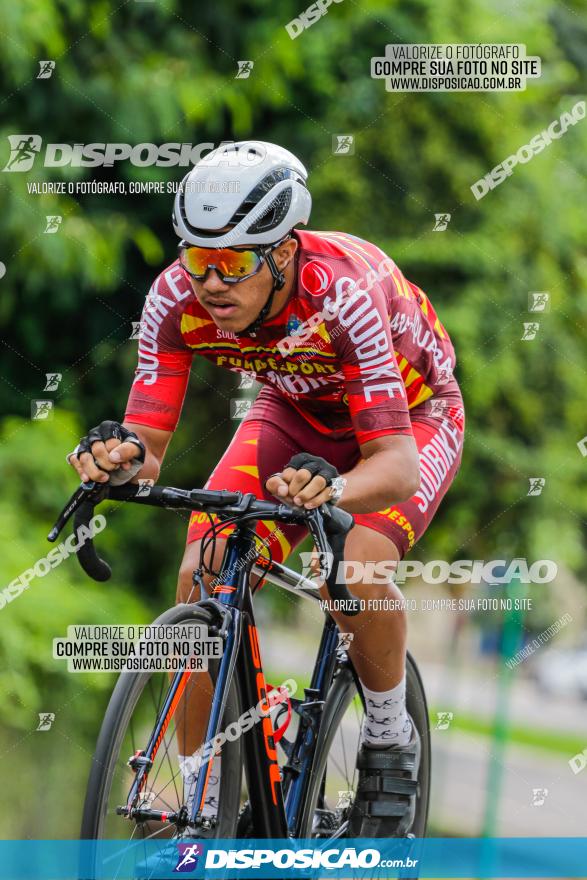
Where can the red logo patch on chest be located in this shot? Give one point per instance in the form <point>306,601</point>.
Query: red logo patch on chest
<point>316,277</point>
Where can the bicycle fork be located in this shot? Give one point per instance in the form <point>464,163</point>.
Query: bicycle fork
<point>142,761</point>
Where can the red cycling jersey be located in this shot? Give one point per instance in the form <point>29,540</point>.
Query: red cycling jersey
<point>354,348</point>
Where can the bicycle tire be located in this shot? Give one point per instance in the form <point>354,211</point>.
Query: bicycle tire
<point>123,701</point>
<point>342,691</point>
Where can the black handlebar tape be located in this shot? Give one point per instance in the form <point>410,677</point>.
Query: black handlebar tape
<point>167,496</point>
<point>216,497</point>
<point>137,492</point>
<point>89,560</point>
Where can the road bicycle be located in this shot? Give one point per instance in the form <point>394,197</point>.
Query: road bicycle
<point>299,775</point>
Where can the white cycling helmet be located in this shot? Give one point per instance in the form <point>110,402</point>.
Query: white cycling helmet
<point>256,188</point>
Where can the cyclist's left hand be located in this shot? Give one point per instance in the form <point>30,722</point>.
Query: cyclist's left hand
<point>304,482</point>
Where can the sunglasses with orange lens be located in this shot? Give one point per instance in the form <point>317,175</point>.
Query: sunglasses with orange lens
<point>232,265</point>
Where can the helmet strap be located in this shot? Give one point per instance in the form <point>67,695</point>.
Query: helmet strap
<point>278,277</point>
<point>278,283</point>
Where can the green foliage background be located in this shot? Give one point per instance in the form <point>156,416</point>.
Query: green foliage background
<point>165,71</point>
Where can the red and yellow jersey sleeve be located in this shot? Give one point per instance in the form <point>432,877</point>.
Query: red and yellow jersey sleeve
<point>164,361</point>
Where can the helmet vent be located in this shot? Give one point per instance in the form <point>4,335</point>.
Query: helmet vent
<point>266,185</point>
<point>273,214</point>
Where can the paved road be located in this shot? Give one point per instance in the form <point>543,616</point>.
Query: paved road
<point>462,769</point>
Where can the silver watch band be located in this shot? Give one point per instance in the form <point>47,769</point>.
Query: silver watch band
<point>337,487</point>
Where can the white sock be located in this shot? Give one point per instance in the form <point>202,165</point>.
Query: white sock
<point>386,721</point>
<point>189,773</point>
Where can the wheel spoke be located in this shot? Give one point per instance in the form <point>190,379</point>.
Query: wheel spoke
<point>342,737</point>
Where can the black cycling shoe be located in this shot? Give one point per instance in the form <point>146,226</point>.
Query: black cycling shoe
<point>385,803</point>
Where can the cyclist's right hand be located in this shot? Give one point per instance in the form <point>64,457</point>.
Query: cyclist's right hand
<point>108,453</point>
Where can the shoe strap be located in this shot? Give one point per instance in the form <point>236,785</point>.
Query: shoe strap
<point>388,785</point>
<point>387,759</point>
<point>377,809</point>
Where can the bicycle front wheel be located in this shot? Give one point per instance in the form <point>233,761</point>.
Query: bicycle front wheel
<point>136,703</point>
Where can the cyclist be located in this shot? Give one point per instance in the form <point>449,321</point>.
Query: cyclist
<point>359,406</point>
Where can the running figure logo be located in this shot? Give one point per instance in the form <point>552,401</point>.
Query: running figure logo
<point>530,330</point>
<point>536,485</point>
<point>343,144</point>
<point>188,857</point>
<point>246,380</point>
<point>244,69</point>
<point>344,640</point>
<point>53,380</point>
<point>46,68</point>
<point>441,222</point>
<point>538,301</point>
<point>539,795</point>
<point>444,375</point>
<point>41,409</point>
<point>46,719</point>
<point>53,223</point>
<point>321,560</point>
<point>24,148</point>
<point>438,407</point>
<point>443,720</point>
<point>145,487</point>
<point>240,407</point>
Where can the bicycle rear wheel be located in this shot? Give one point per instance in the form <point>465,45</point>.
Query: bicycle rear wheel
<point>135,704</point>
<point>334,777</point>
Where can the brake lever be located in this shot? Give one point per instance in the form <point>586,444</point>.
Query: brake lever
<point>329,528</point>
<point>91,492</point>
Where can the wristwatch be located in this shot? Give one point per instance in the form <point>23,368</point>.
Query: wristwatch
<point>336,489</point>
